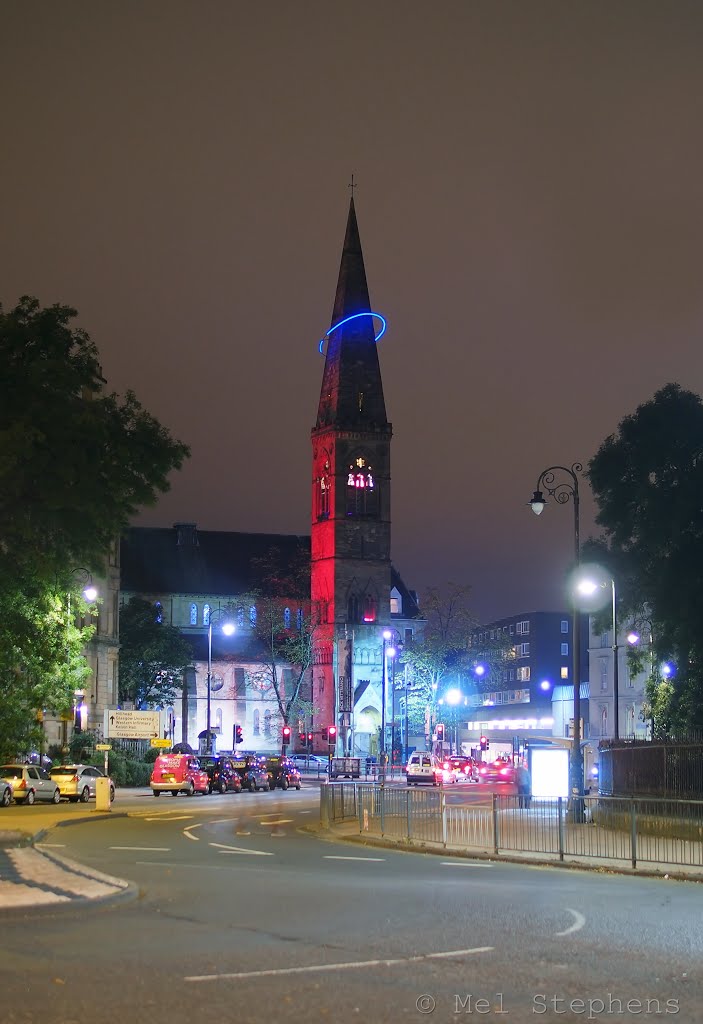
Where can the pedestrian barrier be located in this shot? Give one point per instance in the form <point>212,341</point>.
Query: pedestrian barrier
<point>628,829</point>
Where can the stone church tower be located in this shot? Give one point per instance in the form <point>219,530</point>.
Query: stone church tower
<point>351,500</point>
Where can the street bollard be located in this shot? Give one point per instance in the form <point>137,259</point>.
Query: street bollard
<point>102,795</point>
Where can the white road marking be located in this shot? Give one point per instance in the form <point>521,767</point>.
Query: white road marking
<point>464,864</point>
<point>52,846</point>
<point>279,821</point>
<point>579,922</point>
<point>305,812</point>
<point>340,967</point>
<point>186,833</point>
<point>144,849</point>
<point>170,817</point>
<point>241,849</point>
<point>329,856</point>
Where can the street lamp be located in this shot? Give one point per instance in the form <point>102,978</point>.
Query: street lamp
<point>589,587</point>
<point>79,577</point>
<point>562,490</point>
<point>223,615</point>
<point>388,652</point>
<point>454,697</point>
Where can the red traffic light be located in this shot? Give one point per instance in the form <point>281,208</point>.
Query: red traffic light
<point>286,732</point>
<point>301,738</point>
<point>440,731</point>
<point>484,743</point>
<point>332,732</point>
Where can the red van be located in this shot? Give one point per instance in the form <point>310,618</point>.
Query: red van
<point>179,773</point>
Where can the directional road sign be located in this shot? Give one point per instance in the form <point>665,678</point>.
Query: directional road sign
<point>132,725</point>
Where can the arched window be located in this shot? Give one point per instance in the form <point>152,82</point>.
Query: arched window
<point>299,619</point>
<point>194,615</point>
<point>267,723</point>
<point>159,612</point>
<point>369,609</point>
<point>218,721</point>
<point>286,618</point>
<point>323,493</point>
<point>362,491</point>
<point>257,728</point>
<point>252,615</point>
<point>353,609</point>
<point>206,615</point>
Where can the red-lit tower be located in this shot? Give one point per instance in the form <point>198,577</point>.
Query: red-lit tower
<point>351,501</point>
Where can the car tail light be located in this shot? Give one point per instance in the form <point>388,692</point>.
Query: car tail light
<point>483,771</point>
<point>23,784</point>
<point>75,779</point>
<point>446,766</point>
<point>466,769</point>
<point>505,771</point>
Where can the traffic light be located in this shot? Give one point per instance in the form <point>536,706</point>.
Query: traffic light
<point>484,743</point>
<point>286,734</point>
<point>301,739</point>
<point>310,738</point>
<point>238,737</point>
<point>440,731</point>
<point>324,733</point>
<point>332,733</point>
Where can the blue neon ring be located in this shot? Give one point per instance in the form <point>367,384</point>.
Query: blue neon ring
<point>353,317</point>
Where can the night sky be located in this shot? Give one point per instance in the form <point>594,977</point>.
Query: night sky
<point>530,202</point>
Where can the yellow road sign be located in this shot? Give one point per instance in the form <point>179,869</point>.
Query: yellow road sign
<point>160,743</point>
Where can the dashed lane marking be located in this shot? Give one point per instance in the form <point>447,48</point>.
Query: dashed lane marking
<point>143,849</point>
<point>311,968</point>
<point>464,864</point>
<point>330,856</point>
<point>279,821</point>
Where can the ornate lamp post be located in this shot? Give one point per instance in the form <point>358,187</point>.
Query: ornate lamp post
<point>224,616</point>
<point>562,489</point>
<point>388,652</point>
<point>78,577</point>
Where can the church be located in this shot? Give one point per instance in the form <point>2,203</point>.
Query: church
<point>358,613</point>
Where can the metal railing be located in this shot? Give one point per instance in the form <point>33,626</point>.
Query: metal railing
<point>619,829</point>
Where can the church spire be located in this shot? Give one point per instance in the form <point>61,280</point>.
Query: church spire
<point>352,391</point>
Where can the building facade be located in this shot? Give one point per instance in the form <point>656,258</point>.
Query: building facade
<point>528,693</point>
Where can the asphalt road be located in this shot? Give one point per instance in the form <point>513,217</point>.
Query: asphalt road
<point>242,916</point>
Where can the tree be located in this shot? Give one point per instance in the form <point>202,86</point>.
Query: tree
<point>76,463</point>
<point>285,630</point>
<point>153,656</point>
<point>647,480</point>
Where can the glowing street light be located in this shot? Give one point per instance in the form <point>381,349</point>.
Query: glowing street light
<point>588,587</point>
<point>220,615</point>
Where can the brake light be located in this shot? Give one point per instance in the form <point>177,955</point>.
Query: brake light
<point>466,769</point>
<point>483,771</point>
<point>505,771</point>
<point>75,779</point>
<point>23,784</point>
<point>446,766</point>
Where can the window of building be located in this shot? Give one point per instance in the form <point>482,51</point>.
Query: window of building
<point>159,612</point>
<point>299,619</point>
<point>565,625</point>
<point>240,616</point>
<point>564,673</point>
<point>353,609</point>
<point>194,615</point>
<point>206,615</point>
<point>218,721</point>
<point>257,722</point>
<point>396,602</point>
<point>522,650</point>
<point>523,674</point>
<point>605,639</point>
<point>630,681</point>
<point>511,629</point>
<point>523,626</point>
<point>564,650</point>
<point>323,494</point>
<point>252,615</point>
<point>369,609</point>
<point>286,619</point>
<point>603,720</point>
<point>362,492</point>
<point>603,669</point>
<point>267,723</point>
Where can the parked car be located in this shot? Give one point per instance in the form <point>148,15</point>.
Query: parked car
<point>5,793</point>
<point>424,767</point>
<point>282,773</point>
<point>29,783</point>
<point>252,771</point>
<point>179,773</point>
<point>79,781</point>
<point>222,774</point>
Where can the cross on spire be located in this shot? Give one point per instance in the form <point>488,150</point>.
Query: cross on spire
<point>352,186</point>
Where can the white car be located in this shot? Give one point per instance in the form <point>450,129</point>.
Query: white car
<point>309,763</point>
<point>424,768</point>
<point>29,783</point>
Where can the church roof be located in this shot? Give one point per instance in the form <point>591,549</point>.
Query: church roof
<point>184,560</point>
<point>352,391</point>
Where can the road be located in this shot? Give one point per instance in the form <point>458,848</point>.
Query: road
<point>243,916</point>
